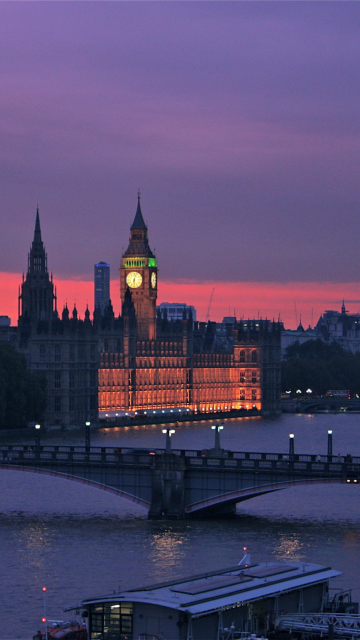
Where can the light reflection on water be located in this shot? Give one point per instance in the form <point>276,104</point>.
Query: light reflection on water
<point>289,548</point>
<point>82,542</point>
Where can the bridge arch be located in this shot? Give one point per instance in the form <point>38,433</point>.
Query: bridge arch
<point>84,481</point>
<point>234,497</point>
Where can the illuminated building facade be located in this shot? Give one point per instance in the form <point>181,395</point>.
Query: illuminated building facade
<point>141,359</point>
<point>160,362</point>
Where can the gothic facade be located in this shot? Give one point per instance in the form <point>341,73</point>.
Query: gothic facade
<point>141,359</point>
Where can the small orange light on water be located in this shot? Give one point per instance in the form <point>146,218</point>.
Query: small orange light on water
<point>43,619</point>
<point>44,588</point>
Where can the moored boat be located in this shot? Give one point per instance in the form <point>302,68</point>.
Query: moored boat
<point>60,630</point>
<point>245,601</point>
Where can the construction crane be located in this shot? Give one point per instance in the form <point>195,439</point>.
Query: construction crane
<point>208,309</point>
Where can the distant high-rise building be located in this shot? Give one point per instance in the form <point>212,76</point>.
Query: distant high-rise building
<point>175,310</point>
<point>102,285</point>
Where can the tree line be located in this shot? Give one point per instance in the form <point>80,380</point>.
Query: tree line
<point>22,392</point>
<point>320,366</point>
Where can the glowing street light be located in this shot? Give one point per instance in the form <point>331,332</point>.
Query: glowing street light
<point>169,433</point>
<point>330,446</point>
<point>291,445</point>
<point>44,619</point>
<point>217,429</point>
<point>87,436</point>
<point>37,436</point>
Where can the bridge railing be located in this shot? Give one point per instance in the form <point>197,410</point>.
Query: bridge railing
<point>318,623</point>
<point>279,463</point>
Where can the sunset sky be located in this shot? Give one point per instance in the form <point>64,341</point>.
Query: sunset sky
<point>239,122</point>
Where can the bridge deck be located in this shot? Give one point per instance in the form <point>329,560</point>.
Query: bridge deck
<point>334,466</point>
<point>188,481</point>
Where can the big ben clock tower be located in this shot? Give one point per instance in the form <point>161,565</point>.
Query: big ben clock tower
<point>138,271</point>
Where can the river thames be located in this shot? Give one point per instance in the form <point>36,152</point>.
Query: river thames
<point>80,542</point>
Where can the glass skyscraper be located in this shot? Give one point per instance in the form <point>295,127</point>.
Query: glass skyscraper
<point>102,285</point>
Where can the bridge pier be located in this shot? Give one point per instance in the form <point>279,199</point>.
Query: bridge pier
<point>168,488</point>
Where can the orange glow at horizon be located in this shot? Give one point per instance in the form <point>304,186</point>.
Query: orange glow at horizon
<point>287,301</point>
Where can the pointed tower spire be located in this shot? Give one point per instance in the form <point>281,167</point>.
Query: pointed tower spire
<point>37,298</point>
<point>138,220</point>
<point>37,256</point>
<point>37,232</point>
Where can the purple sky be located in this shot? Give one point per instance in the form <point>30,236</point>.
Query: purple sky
<point>239,121</point>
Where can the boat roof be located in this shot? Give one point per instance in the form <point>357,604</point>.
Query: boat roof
<point>209,592</point>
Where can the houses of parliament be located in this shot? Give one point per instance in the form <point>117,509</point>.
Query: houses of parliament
<point>141,359</point>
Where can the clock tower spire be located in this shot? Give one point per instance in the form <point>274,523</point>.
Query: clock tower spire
<point>138,272</point>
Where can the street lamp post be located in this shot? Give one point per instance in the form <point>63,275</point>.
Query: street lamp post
<point>330,445</point>
<point>44,617</point>
<point>169,433</point>
<point>87,436</point>
<point>291,446</point>
<point>37,436</point>
<point>217,429</point>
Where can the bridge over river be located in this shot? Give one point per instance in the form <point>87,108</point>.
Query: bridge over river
<point>181,483</point>
<point>326,404</point>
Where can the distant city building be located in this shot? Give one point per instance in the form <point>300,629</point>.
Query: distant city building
<point>175,310</point>
<point>7,332</point>
<point>144,358</point>
<point>332,326</point>
<point>102,285</point>
<point>290,336</point>
<point>341,327</point>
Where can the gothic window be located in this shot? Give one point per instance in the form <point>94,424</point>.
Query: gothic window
<point>57,379</point>
<point>57,353</point>
<point>57,403</point>
<point>42,352</point>
<point>253,376</point>
<point>72,353</point>
<point>253,394</point>
<point>242,355</point>
<point>254,356</point>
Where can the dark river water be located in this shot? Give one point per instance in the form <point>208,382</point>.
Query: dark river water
<point>80,542</point>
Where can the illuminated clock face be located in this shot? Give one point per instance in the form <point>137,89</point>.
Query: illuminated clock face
<point>133,279</point>
<point>153,280</point>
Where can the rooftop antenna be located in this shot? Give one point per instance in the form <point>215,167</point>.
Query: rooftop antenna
<point>296,316</point>
<point>246,559</point>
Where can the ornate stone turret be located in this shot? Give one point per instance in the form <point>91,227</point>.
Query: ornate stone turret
<point>37,300</point>
<point>138,271</point>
